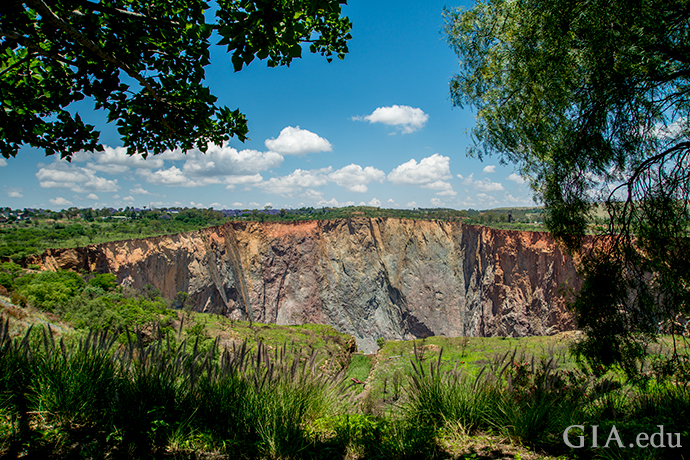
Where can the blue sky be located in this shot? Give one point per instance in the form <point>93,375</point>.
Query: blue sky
<point>377,128</point>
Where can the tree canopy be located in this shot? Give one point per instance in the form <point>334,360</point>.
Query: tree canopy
<point>591,101</point>
<point>142,62</point>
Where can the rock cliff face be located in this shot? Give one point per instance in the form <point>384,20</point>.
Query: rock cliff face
<point>391,278</point>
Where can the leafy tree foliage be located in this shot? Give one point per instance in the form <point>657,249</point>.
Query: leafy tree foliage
<point>142,62</point>
<point>591,101</point>
<point>48,290</point>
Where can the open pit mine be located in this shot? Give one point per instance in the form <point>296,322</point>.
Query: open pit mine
<point>369,277</point>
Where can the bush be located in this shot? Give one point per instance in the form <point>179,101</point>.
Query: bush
<point>105,281</point>
<point>47,290</point>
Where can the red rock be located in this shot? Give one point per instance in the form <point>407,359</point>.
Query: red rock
<point>378,277</point>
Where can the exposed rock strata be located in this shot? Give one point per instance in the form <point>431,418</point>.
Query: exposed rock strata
<point>391,278</point>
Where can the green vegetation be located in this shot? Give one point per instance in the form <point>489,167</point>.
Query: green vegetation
<point>80,227</point>
<point>138,62</point>
<point>184,384</point>
<point>95,396</point>
<point>589,100</point>
<point>192,385</point>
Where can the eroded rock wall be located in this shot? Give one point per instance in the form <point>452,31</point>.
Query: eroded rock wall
<point>391,278</point>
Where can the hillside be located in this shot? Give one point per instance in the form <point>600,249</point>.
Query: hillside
<point>370,277</point>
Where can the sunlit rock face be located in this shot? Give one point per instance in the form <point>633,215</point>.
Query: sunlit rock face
<point>380,277</point>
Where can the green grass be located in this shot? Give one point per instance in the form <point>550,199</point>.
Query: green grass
<point>393,360</point>
<point>288,392</point>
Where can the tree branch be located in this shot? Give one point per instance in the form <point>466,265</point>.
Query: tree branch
<point>22,40</point>
<point>121,12</point>
<point>642,167</point>
<point>80,38</point>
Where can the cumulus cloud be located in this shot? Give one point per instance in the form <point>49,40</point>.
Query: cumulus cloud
<point>92,196</point>
<point>525,200</point>
<point>233,181</point>
<point>427,171</point>
<point>407,119</point>
<point>436,202</point>
<point>296,181</point>
<point>483,185</point>
<point>488,186</point>
<point>516,178</point>
<point>115,160</point>
<point>138,190</point>
<point>227,161</point>
<point>61,174</point>
<point>355,178</point>
<point>487,200</point>
<point>489,169</point>
<point>219,165</point>
<point>15,194</point>
<point>313,195</point>
<point>296,141</point>
<point>172,176</point>
<point>412,204</point>
<point>333,203</point>
<point>3,162</point>
<point>443,188</point>
<point>60,201</point>
<point>375,202</point>
<point>431,172</point>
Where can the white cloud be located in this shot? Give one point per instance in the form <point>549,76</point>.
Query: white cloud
<point>516,178</point>
<point>91,196</point>
<point>3,162</point>
<point>487,200</point>
<point>354,178</point>
<point>296,141</point>
<point>227,161</point>
<point>374,202</point>
<point>444,188</point>
<point>128,199</point>
<point>61,174</point>
<point>333,203</point>
<point>296,181</point>
<point>525,200</point>
<point>412,204</point>
<point>436,202</point>
<point>489,169</point>
<point>115,160</point>
<point>406,118</point>
<point>220,164</point>
<point>172,176</point>
<point>60,201</point>
<point>313,195</point>
<point>429,173</point>
<point>483,185</point>
<point>233,181</point>
<point>488,186</point>
<point>15,194</point>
